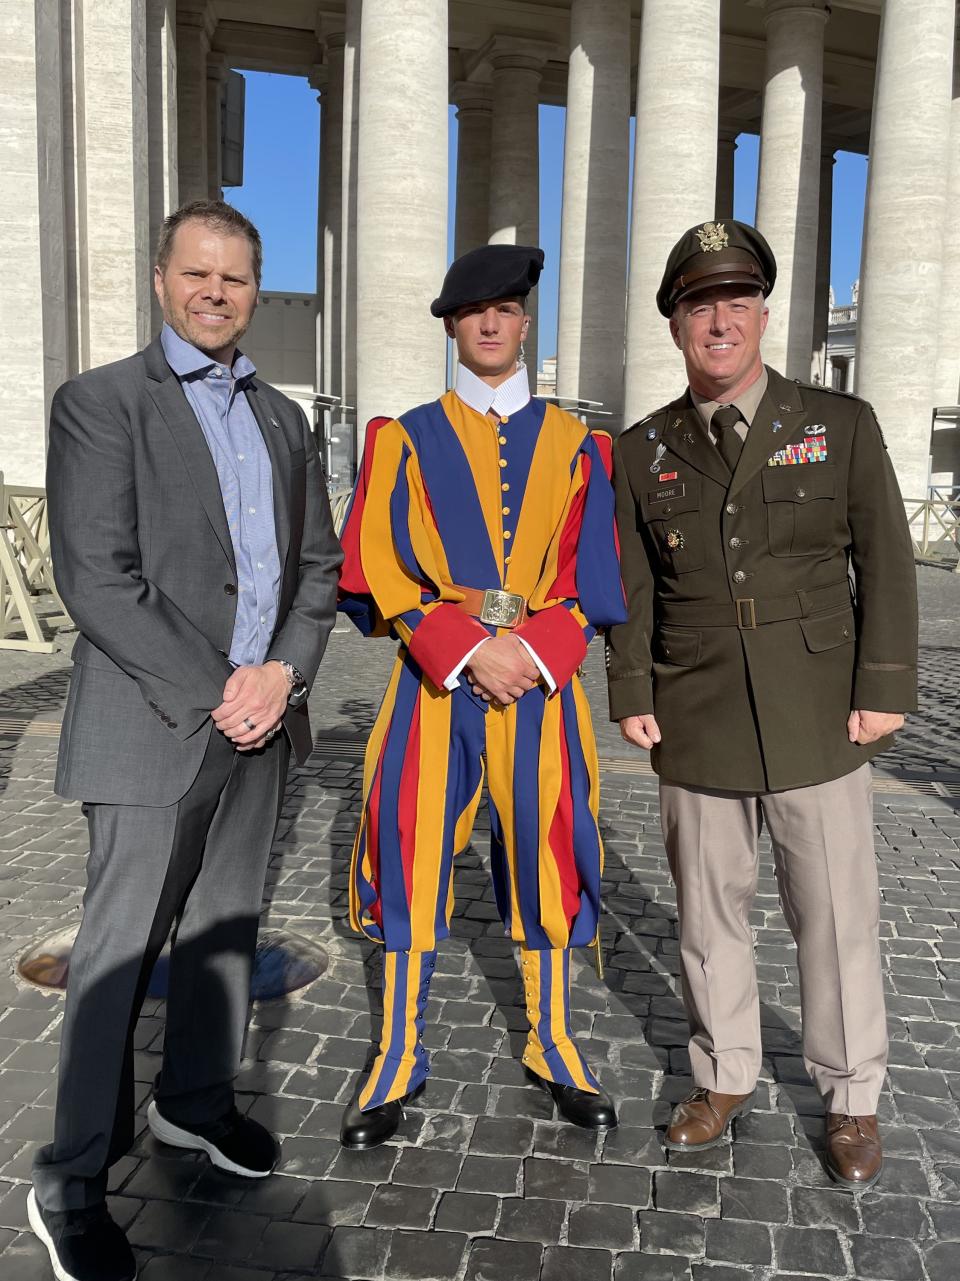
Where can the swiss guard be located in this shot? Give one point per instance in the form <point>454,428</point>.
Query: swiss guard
<point>481,535</point>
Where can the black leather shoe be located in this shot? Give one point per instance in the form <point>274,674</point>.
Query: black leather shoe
<point>236,1143</point>
<point>580,1107</point>
<point>369,1129</point>
<point>84,1245</point>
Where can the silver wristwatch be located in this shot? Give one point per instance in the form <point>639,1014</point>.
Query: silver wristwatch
<point>298,686</point>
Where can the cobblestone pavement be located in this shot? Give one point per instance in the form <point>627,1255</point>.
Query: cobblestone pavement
<point>483,1184</point>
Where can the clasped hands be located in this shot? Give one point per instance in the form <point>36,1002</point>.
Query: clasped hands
<point>501,670</point>
<point>254,696</point>
<point>862,727</point>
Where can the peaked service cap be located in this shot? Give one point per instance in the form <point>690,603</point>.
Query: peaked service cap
<point>716,253</point>
<point>492,271</point>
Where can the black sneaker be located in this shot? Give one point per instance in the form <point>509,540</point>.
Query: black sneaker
<point>235,1144</point>
<point>84,1245</point>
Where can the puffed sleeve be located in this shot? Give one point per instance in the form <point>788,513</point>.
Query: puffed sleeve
<point>395,576</point>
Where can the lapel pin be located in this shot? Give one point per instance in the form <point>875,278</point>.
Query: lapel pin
<point>676,422</point>
<point>777,424</point>
<point>274,423</point>
<point>688,438</point>
<point>786,408</point>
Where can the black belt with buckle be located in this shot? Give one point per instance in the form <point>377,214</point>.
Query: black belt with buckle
<point>747,613</point>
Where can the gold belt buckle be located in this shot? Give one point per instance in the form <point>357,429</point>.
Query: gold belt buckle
<point>501,609</point>
<point>748,623</point>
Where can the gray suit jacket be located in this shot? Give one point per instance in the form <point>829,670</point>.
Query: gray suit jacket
<point>143,559</point>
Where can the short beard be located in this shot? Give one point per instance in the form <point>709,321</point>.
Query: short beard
<point>207,347</point>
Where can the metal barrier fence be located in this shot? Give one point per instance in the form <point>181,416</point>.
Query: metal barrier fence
<point>935,528</point>
<point>25,570</point>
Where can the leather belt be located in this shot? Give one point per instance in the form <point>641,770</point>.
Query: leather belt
<point>748,613</point>
<point>494,606</point>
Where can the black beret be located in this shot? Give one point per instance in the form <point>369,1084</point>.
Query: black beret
<point>716,253</point>
<point>492,271</point>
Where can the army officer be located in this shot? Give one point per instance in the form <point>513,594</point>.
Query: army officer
<point>770,652</point>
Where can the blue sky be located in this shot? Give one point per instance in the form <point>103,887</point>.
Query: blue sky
<point>279,194</point>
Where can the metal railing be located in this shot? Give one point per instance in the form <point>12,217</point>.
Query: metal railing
<point>935,527</point>
<point>25,570</point>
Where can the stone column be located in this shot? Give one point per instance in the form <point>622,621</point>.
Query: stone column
<point>593,234</point>
<point>901,271</point>
<point>33,331</point>
<point>674,180</point>
<point>348,183</point>
<point>947,388</point>
<point>216,75</point>
<point>329,238</point>
<point>726,150</point>
<point>821,309</point>
<point>474,103</point>
<point>161,122</point>
<point>788,200</point>
<point>195,27</point>
<point>514,215</point>
<point>401,204</point>
<point>112,166</point>
<point>318,81</point>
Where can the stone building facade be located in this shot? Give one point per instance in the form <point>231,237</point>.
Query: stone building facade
<point>110,112</point>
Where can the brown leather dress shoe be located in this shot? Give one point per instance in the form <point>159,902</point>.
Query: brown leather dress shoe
<point>703,1119</point>
<point>854,1154</point>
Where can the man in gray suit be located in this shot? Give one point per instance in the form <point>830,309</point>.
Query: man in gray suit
<point>193,545</point>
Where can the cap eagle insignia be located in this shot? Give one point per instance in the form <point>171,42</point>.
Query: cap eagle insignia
<point>713,237</point>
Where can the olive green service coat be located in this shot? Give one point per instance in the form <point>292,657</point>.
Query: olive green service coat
<point>754,696</point>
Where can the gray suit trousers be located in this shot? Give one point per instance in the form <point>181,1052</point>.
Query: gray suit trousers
<point>196,867</point>
<point>826,871</point>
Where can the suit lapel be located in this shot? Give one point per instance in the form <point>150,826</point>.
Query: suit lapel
<point>280,462</point>
<point>686,436</point>
<point>175,410</point>
<point>779,421</point>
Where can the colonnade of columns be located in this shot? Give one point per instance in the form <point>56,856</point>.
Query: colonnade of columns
<point>115,105</point>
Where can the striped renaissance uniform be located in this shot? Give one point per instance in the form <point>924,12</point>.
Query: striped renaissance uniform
<point>452,502</point>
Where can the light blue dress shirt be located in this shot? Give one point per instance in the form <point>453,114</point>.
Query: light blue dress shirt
<point>216,395</point>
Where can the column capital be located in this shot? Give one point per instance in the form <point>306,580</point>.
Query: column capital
<point>829,147</point>
<point>519,53</point>
<point>317,79</point>
<point>217,66</point>
<point>472,96</point>
<point>334,42</point>
<point>815,8</point>
<point>198,14</point>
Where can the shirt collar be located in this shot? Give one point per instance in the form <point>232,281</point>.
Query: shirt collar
<point>510,397</point>
<point>748,402</point>
<point>186,360</point>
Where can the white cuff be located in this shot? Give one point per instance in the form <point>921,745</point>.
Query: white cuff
<point>453,680</point>
<point>551,683</point>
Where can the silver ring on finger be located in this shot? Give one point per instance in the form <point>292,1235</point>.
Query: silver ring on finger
<point>249,723</point>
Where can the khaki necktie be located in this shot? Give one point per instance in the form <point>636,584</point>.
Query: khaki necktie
<point>724,423</point>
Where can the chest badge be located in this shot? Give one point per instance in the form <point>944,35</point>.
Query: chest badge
<point>675,540</point>
<point>656,464</point>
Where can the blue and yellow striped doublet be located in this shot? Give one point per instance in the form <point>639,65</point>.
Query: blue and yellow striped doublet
<point>448,499</point>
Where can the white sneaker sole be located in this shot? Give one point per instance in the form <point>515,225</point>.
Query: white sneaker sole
<point>40,1232</point>
<point>173,1135</point>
